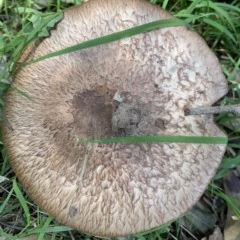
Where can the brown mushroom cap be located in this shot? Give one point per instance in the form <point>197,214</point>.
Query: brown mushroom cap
<point>114,189</point>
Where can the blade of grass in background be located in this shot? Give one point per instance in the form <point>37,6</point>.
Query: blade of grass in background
<point>22,201</point>
<point>36,25</point>
<point>216,15</point>
<point>160,139</point>
<point>115,37</point>
<point>229,200</point>
<point>7,236</point>
<point>162,229</point>
<point>188,10</point>
<point>45,226</point>
<point>3,205</point>
<point>221,12</point>
<point>48,229</point>
<point>35,28</point>
<point>226,165</point>
<point>220,27</point>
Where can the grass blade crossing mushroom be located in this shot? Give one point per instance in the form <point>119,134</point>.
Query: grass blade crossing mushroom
<point>114,189</point>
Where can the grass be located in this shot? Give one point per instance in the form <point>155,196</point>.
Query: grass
<point>159,139</point>
<point>217,22</point>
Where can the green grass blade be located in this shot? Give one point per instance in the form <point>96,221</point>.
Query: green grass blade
<point>49,230</point>
<point>6,235</point>
<point>31,31</point>
<point>159,139</point>
<point>219,10</point>
<point>164,4</point>
<point>221,28</point>
<point>229,6</point>
<point>226,165</point>
<point>22,201</point>
<point>45,226</point>
<point>114,37</point>
<point>6,201</point>
<point>22,93</point>
<point>191,7</point>
<point>162,229</point>
<point>191,18</point>
<point>41,25</point>
<point>228,199</point>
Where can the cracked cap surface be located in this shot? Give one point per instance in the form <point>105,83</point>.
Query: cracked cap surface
<point>114,189</point>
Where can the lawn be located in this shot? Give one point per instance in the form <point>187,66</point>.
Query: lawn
<point>218,22</point>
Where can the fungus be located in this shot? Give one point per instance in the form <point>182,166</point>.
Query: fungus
<point>150,79</point>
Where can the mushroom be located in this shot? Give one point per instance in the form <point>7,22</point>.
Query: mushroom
<point>136,86</point>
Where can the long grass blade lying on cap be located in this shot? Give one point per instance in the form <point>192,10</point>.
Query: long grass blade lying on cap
<point>114,37</point>
<point>159,139</point>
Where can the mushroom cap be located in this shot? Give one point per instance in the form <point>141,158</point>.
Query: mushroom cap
<point>114,189</point>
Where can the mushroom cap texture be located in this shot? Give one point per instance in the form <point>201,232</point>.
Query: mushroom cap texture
<point>114,189</point>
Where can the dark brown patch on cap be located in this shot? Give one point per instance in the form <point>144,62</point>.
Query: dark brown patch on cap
<point>93,112</point>
<point>72,211</point>
<point>160,123</point>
